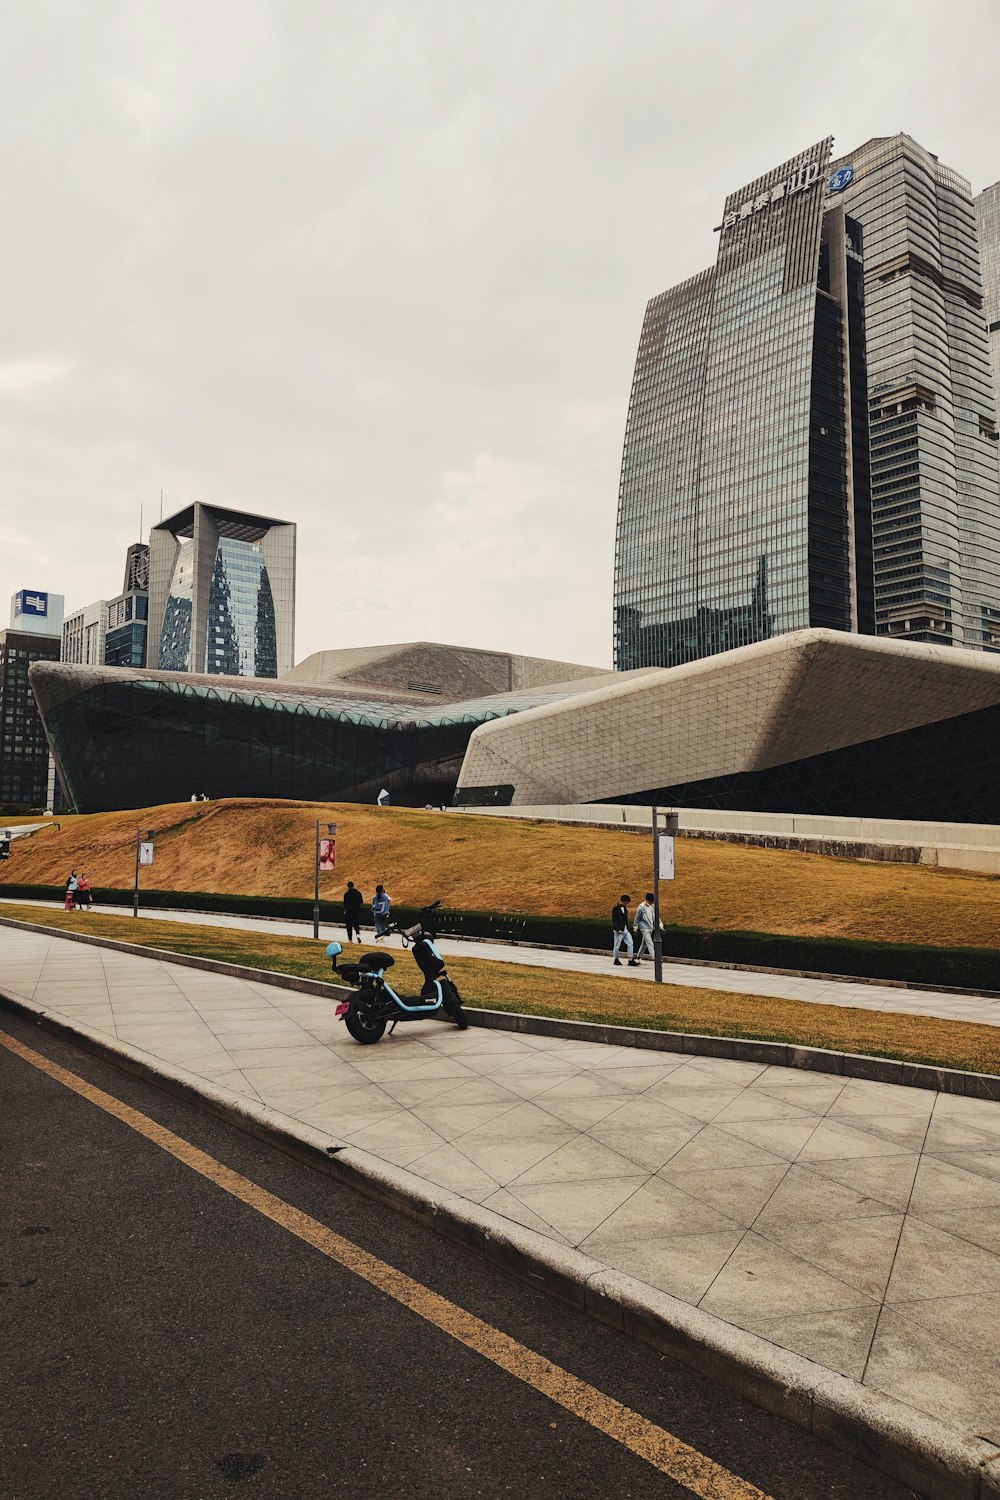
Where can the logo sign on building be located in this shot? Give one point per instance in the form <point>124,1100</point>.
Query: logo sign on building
<point>31,602</point>
<point>841,179</point>
<point>800,180</point>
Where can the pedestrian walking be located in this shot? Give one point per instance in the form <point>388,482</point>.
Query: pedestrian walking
<point>352,911</point>
<point>84,895</point>
<point>621,933</point>
<point>71,885</point>
<point>645,926</point>
<point>380,911</point>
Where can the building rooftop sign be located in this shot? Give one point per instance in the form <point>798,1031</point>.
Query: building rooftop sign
<point>799,181</point>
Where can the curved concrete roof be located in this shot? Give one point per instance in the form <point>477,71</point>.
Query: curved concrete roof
<point>764,705</point>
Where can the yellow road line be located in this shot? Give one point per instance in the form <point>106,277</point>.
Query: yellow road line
<point>660,1448</point>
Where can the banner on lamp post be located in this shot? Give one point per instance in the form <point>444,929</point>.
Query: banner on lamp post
<point>668,869</point>
<point>325,863</point>
<point>145,853</point>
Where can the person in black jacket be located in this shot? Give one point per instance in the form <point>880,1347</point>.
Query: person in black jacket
<point>621,934</point>
<point>353,901</point>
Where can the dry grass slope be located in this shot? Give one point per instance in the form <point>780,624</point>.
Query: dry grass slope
<point>265,848</point>
<point>587,997</point>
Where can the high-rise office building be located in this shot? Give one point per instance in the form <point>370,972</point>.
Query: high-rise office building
<point>988,227</point>
<point>935,472</point>
<point>222,594</point>
<point>112,632</point>
<point>84,633</point>
<point>35,634</point>
<point>125,642</point>
<point>744,507</point>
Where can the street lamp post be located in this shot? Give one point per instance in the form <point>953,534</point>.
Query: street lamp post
<point>664,834</point>
<point>327,863</point>
<point>143,856</point>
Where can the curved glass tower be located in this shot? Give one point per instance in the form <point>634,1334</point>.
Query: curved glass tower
<point>744,506</point>
<point>241,625</point>
<point>222,594</point>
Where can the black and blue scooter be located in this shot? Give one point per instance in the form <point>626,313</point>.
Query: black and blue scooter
<point>378,1005</point>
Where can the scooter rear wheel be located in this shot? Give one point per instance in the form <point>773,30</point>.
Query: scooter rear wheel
<point>451,1002</point>
<point>364,1025</point>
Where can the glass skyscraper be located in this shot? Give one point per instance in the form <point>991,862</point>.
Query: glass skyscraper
<point>222,594</point>
<point>935,471</point>
<point>744,507</point>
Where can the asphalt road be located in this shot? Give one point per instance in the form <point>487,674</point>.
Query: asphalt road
<point>161,1338</point>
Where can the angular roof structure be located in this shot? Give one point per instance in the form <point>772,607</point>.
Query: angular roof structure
<point>431,670</point>
<point>341,727</point>
<point>815,720</point>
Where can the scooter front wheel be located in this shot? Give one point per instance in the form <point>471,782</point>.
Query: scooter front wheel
<point>364,1025</point>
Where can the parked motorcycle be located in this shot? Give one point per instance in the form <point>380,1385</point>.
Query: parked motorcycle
<point>378,1005</point>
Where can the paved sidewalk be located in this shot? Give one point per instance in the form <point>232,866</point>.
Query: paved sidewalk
<point>952,1007</point>
<point>854,1223</point>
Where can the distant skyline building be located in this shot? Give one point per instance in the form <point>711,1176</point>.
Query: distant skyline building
<point>987,206</point>
<point>744,507</point>
<point>222,593</point>
<point>35,634</point>
<point>932,408</point>
<point>37,612</point>
<point>112,632</point>
<point>84,633</point>
<point>125,643</point>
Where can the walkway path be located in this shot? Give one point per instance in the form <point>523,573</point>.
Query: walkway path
<point>855,1223</point>
<point>953,1007</point>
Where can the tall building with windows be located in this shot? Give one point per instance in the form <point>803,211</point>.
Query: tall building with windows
<point>932,412</point>
<point>125,642</point>
<point>221,594</point>
<point>84,633</point>
<point>988,227</point>
<point>744,508</point>
<point>35,635</point>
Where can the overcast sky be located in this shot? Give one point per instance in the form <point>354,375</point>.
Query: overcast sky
<point>380,269</point>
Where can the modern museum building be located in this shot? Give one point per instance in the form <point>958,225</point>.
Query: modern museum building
<point>812,721</point>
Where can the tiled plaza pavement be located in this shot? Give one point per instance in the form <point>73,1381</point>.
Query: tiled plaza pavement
<point>950,1006</point>
<point>855,1223</point>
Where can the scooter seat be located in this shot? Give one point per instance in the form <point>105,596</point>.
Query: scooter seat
<point>376,961</point>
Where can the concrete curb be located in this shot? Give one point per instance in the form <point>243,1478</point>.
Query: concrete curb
<point>937,1461</point>
<point>738,1049</point>
<point>742,1049</point>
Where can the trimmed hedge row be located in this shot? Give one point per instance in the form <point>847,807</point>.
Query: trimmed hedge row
<point>975,968</point>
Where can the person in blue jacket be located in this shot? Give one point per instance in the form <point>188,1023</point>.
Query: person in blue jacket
<point>381,907</point>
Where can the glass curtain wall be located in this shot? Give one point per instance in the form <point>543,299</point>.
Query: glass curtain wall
<point>737,511</point>
<point>175,635</point>
<point>935,472</point>
<point>241,625</point>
